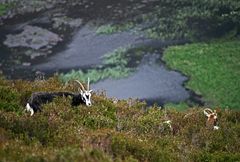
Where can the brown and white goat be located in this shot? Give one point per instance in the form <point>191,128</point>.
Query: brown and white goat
<point>212,119</point>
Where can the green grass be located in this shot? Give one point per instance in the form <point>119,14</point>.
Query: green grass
<point>179,107</point>
<point>213,68</point>
<point>3,8</point>
<point>121,131</point>
<point>114,28</point>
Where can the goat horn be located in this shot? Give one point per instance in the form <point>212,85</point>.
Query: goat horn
<point>88,84</point>
<point>80,84</point>
<point>207,113</point>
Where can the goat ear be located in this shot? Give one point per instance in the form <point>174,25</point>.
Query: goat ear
<point>90,91</point>
<point>81,91</point>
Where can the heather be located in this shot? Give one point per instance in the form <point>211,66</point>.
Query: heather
<point>110,130</point>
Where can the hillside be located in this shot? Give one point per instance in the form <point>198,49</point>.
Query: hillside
<point>110,130</point>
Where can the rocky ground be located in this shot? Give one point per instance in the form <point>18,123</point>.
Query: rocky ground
<point>33,28</point>
<point>21,7</point>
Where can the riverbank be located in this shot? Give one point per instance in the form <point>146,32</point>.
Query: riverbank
<point>213,69</point>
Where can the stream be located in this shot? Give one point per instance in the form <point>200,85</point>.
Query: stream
<point>58,41</point>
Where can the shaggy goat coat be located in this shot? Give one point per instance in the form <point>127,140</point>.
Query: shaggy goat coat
<point>39,98</point>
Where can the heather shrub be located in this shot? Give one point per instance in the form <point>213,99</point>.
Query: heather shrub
<point>220,156</point>
<point>76,154</point>
<point>9,99</point>
<point>122,146</point>
<point>110,130</point>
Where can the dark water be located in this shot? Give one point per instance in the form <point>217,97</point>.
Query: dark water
<point>151,81</point>
<point>82,48</point>
<point>87,48</point>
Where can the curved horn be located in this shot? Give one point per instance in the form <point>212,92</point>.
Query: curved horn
<point>88,87</point>
<point>207,113</point>
<point>80,84</point>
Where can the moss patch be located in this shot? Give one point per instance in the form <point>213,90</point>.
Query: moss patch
<point>3,8</point>
<point>114,28</point>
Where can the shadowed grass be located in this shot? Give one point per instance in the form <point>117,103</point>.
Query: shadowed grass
<point>110,29</point>
<point>3,8</point>
<point>182,19</point>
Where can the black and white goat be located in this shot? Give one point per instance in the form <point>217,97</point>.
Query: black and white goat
<point>37,99</point>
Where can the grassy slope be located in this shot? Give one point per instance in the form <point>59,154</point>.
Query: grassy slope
<point>108,131</point>
<point>214,70</point>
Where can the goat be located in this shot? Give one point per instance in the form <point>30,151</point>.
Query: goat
<point>37,99</point>
<point>212,120</point>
